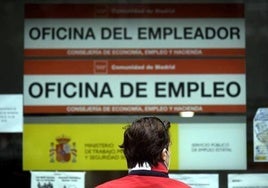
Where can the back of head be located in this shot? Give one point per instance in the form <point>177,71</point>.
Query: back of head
<point>144,141</point>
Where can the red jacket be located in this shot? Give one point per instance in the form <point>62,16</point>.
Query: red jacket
<point>156,177</point>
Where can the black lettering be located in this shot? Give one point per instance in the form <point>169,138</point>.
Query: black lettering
<point>75,33</point>
<point>158,88</point>
<point>222,33</point>
<point>140,89</point>
<point>126,36</point>
<point>176,92</point>
<point>106,33</point>
<point>49,87</point>
<point>81,89</point>
<point>233,89</point>
<point>46,32</point>
<point>93,91</point>
<point>188,33</point>
<point>203,94</point>
<point>117,33</point>
<point>61,33</point>
<point>210,33</point>
<point>198,33</point>
<point>192,87</point>
<point>34,33</point>
<point>167,31</point>
<point>154,34</point>
<point>217,88</point>
<point>89,34</point>
<point>106,90</point>
<point>35,90</point>
<point>234,31</point>
<point>70,90</point>
<point>123,88</point>
<point>142,33</point>
<point>65,90</point>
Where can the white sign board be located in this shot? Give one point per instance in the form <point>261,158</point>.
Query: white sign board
<point>57,179</point>
<point>11,113</point>
<point>260,135</point>
<point>211,143</point>
<point>198,180</point>
<point>170,29</point>
<point>134,86</point>
<point>256,180</point>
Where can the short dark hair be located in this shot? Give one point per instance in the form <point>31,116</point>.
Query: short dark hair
<point>144,141</point>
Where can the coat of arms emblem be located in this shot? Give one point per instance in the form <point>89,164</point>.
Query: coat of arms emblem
<point>63,149</point>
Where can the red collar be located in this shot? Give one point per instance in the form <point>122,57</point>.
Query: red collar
<point>159,170</point>
<point>160,167</point>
